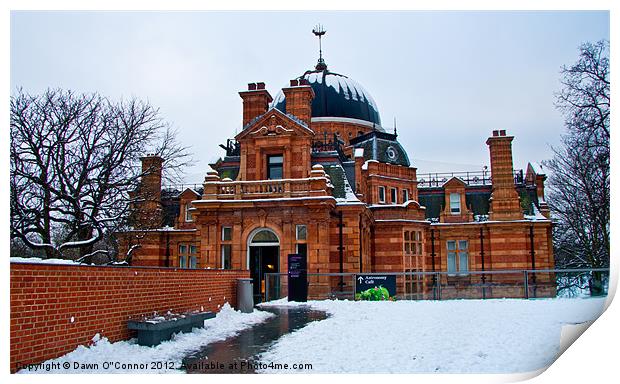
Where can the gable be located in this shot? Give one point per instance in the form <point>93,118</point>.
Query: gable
<point>189,194</point>
<point>454,183</point>
<point>274,123</point>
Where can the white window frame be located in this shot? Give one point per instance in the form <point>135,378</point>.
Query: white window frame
<point>393,195</point>
<point>224,246</point>
<point>297,248</point>
<point>455,204</point>
<point>381,192</point>
<point>223,232</point>
<point>193,262</point>
<point>297,227</point>
<point>183,261</point>
<point>405,195</point>
<point>188,213</point>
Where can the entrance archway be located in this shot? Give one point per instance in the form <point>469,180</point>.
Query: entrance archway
<point>263,257</point>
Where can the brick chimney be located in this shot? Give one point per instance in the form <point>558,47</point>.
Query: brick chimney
<point>147,211</point>
<point>505,203</point>
<point>255,101</point>
<point>299,99</point>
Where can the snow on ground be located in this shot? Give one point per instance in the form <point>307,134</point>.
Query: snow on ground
<point>226,323</point>
<point>452,336</point>
<point>38,260</point>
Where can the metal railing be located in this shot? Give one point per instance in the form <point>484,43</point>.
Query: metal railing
<point>182,187</point>
<point>538,283</point>
<point>472,178</point>
<point>425,180</point>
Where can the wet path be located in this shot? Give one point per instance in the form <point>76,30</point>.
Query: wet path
<point>233,355</point>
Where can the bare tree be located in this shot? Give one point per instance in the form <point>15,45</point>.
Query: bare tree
<point>579,182</point>
<point>74,160</point>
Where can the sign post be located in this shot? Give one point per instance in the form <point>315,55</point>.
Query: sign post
<point>297,278</point>
<point>375,287</point>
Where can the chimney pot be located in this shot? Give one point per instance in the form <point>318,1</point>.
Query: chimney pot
<point>260,85</point>
<point>495,133</point>
<point>304,82</point>
<point>251,86</point>
<point>502,132</point>
<point>294,83</point>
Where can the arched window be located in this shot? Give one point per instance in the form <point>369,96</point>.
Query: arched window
<point>264,236</point>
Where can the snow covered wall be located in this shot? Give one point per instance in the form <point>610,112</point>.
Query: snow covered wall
<point>56,307</point>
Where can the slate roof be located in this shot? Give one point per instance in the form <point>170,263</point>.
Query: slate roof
<point>381,146</point>
<point>337,176</point>
<point>476,199</point>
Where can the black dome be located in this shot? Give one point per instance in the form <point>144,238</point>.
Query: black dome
<point>336,95</point>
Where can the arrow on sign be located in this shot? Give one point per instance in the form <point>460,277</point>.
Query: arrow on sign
<point>360,279</point>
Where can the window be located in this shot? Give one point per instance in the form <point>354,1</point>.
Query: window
<point>188,256</point>
<point>455,203</point>
<point>463,257</point>
<point>275,166</point>
<point>265,236</point>
<point>382,194</point>
<point>227,248</point>
<point>226,233</point>
<point>301,232</point>
<point>459,254</point>
<point>394,195</point>
<point>413,262</point>
<point>302,249</point>
<point>405,195</point>
<point>193,250</point>
<point>451,257</point>
<point>226,256</point>
<point>188,212</point>
<point>413,243</point>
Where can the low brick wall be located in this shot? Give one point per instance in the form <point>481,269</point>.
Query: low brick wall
<point>55,308</point>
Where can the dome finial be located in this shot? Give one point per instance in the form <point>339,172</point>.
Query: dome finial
<point>319,32</point>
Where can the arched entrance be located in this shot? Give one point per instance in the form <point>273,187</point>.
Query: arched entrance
<point>263,257</point>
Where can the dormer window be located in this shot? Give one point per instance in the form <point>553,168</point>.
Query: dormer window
<point>275,165</point>
<point>188,212</point>
<point>455,203</point>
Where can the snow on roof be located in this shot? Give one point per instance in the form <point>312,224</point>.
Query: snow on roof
<point>365,165</point>
<point>350,196</point>
<point>536,216</point>
<point>537,167</point>
<point>359,152</point>
<point>347,120</point>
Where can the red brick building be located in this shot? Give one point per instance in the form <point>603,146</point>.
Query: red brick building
<point>314,172</point>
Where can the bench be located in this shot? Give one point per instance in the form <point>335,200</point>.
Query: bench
<point>155,330</point>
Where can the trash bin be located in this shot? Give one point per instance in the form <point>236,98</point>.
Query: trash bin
<point>245,299</point>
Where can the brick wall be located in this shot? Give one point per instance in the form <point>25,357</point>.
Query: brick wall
<point>100,299</point>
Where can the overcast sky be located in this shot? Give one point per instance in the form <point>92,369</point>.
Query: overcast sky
<point>449,78</point>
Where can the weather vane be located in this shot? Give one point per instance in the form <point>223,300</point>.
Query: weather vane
<point>319,32</point>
